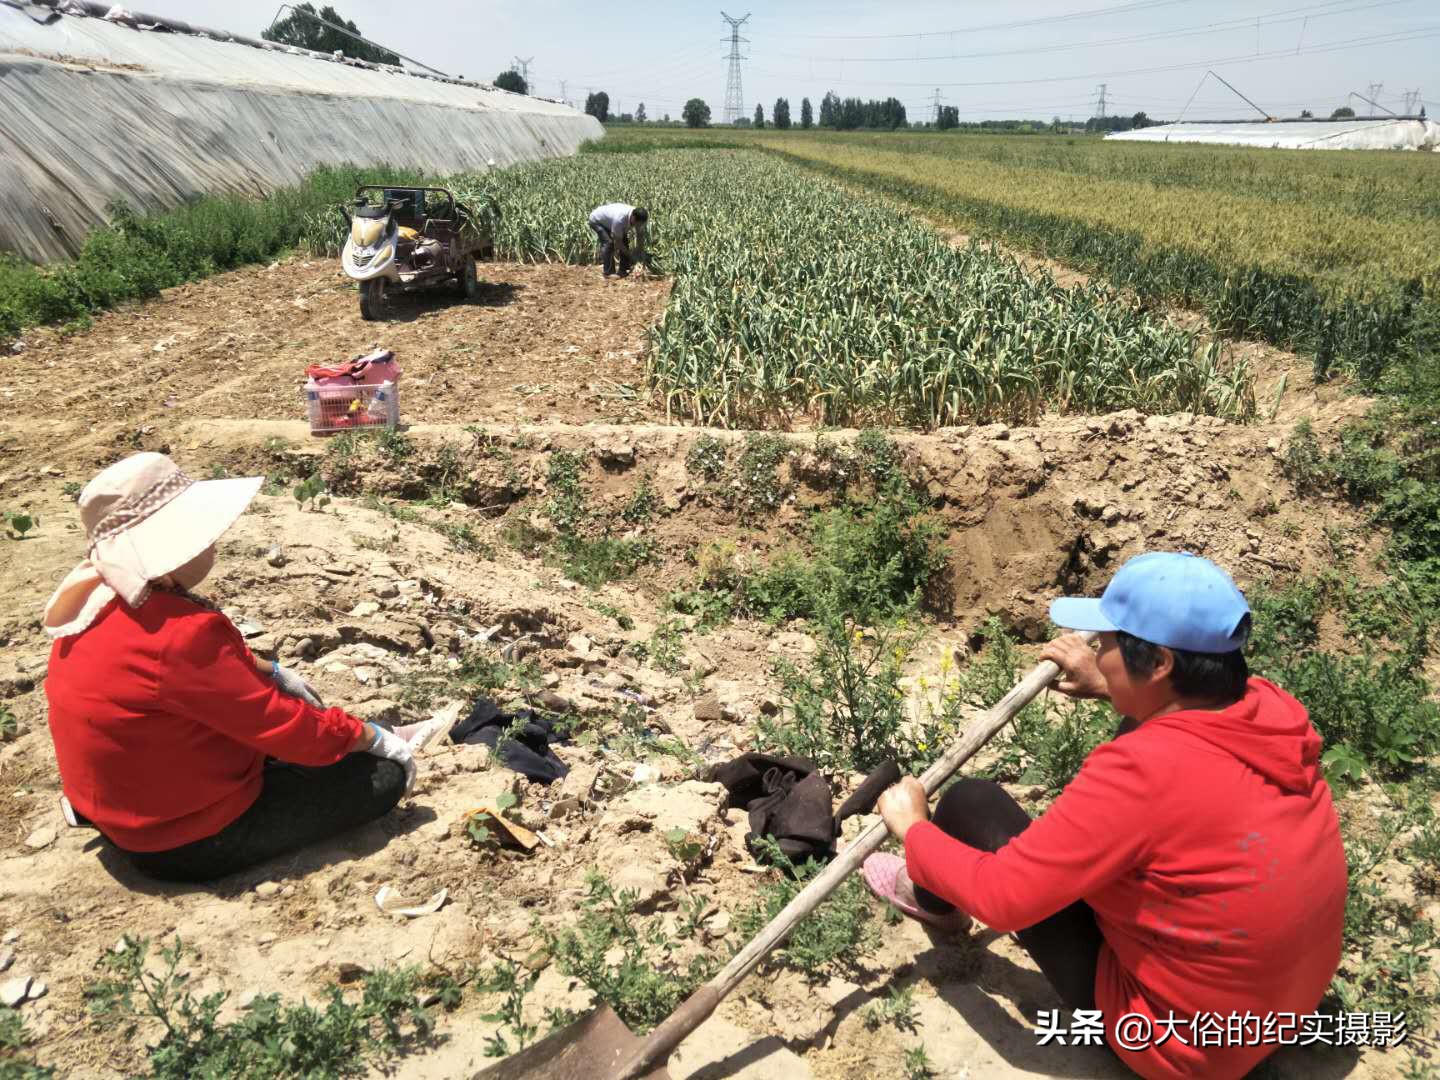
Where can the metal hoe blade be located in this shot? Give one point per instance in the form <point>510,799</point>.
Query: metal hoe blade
<point>591,1047</point>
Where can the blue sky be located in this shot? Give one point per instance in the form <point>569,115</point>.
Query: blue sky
<point>1033,58</point>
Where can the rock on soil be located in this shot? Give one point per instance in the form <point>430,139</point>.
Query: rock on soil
<point>14,991</point>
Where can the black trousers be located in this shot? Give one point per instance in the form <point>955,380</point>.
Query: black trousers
<point>298,806</point>
<point>608,252</point>
<point>1066,946</point>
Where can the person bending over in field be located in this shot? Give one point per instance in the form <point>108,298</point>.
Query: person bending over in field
<point>165,723</point>
<point>612,224</point>
<point>1193,865</point>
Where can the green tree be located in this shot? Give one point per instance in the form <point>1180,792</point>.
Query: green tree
<point>300,29</point>
<point>1342,113</point>
<point>598,105</point>
<point>949,117</point>
<point>830,110</point>
<point>1306,114</point>
<point>780,115</point>
<point>759,117</point>
<point>640,113</point>
<point>807,114</point>
<point>696,113</point>
<point>513,81</point>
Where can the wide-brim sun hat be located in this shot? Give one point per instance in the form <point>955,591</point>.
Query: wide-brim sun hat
<point>144,518</point>
<point>1175,599</point>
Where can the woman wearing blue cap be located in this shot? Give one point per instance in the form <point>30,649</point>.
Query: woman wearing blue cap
<point>1192,871</point>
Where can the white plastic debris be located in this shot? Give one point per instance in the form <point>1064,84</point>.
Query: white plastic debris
<point>430,907</point>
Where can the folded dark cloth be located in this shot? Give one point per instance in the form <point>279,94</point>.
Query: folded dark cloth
<point>528,752</point>
<point>788,800</point>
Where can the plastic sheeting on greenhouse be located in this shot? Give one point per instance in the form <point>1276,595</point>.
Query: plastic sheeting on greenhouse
<point>1357,134</point>
<point>155,112</point>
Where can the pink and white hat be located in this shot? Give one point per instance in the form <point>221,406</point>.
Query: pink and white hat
<point>144,518</point>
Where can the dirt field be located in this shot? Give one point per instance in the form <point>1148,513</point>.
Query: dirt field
<point>360,601</point>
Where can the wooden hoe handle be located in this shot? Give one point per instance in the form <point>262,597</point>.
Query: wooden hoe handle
<point>699,1005</point>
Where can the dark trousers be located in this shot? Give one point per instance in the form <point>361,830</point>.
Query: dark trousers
<point>1066,946</point>
<point>608,252</point>
<point>297,807</point>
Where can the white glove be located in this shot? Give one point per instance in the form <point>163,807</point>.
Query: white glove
<point>392,747</point>
<point>292,684</point>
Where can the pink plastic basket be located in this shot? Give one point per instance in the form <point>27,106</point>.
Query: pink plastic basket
<point>333,409</point>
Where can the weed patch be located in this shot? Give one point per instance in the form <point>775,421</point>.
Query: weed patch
<point>479,670</point>
<point>273,1039</point>
<point>834,940</point>
<point>649,976</point>
<point>15,1062</point>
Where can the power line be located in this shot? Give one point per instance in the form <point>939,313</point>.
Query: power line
<point>523,66</point>
<point>1395,37</point>
<point>1119,9</point>
<point>734,96</point>
<point>1290,15</point>
<point>1101,103</point>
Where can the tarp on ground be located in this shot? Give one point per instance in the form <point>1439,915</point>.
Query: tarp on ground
<point>93,110</point>
<point>1357,134</point>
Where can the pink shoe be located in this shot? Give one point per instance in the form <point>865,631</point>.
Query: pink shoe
<point>882,875</point>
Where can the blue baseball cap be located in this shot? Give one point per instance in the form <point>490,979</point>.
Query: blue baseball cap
<point>1166,598</point>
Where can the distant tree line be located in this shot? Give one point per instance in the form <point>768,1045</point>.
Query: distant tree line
<point>848,114</point>
<point>1119,123</point>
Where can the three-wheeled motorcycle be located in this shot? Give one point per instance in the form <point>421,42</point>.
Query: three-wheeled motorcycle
<point>407,238</point>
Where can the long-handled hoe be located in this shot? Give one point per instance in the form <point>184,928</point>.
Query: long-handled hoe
<point>599,1046</point>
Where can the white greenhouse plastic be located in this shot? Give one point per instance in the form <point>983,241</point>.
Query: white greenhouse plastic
<point>94,109</point>
<point>1358,134</point>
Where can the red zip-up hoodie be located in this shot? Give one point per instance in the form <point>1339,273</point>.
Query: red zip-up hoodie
<point>162,723</point>
<point>1208,846</point>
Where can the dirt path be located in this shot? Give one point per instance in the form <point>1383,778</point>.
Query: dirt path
<point>544,342</point>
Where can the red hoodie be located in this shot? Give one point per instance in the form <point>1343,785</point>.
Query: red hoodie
<point>1209,848</point>
<point>162,723</point>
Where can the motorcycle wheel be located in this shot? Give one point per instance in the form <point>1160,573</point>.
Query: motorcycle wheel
<point>468,280</point>
<point>372,299</point>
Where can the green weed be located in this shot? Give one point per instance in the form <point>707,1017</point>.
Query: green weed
<point>833,940</point>
<point>648,978</point>
<point>481,670</point>
<point>707,458</point>
<point>18,523</point>
<point>642,504</point>
<point>898,1008</point>
<point>917,1063</point>
<point>272,1039</point>
<point>15,1063</point>
<point>508,980</point>
<point>845,709</point>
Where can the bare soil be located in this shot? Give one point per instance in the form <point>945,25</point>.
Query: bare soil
<point>211,373</point>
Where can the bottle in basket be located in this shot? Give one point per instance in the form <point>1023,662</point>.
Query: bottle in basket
<point>312,401</point>
<point>379,410</point>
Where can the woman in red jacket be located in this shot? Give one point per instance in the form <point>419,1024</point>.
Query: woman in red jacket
<point>1193,869</point>
<point>163,720</point>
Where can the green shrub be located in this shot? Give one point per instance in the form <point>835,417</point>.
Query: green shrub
<point>845,709</point>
